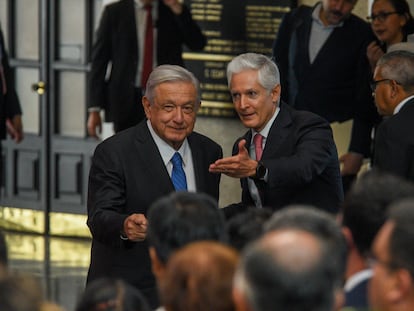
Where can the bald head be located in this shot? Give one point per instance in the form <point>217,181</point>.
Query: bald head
<point>297,251</point>
<point>275,272</point>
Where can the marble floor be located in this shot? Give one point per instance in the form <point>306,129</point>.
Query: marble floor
<point>60,263</point>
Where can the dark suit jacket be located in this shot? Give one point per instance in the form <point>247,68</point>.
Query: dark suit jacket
<point>394,143</point>
<point>336,85</point>
<point>116,42</point>
<point>9,103</point>
<point>127,175</point>
<point>358,296</point>
<point>302,163</point>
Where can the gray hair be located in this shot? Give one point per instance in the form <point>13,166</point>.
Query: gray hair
<point>398,66</point>
<point>279,277</point>
<point>170,73</point>
<point>268,73</point>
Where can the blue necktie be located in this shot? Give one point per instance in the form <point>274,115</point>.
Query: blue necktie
<point>178,174</point>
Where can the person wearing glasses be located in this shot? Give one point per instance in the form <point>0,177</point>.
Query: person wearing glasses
<point>392,285</point>
<point>363,213</point>
<point>393,89</point>
<point>391,22</point>
<point>321,53</point>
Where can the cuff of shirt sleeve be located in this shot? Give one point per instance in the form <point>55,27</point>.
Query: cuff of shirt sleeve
<point>94,109</point>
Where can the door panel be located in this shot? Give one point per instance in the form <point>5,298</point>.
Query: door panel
<point>49,41</point>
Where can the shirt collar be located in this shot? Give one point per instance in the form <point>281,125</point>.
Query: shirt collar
<point>401,104</point>
<point>140,5</point>
<point>357,278</point>
<point>266,129</point>
<point>166,150</point>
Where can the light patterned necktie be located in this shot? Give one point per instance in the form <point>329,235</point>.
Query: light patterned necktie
<point>258,146</point>
<point>178,175</point>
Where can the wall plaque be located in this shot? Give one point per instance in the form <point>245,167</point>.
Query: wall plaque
<point>232,27</point>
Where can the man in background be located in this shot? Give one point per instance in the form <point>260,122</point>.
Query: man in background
<point>179,219</point>
<point>133,37</point>
<point>392,284</point>
<point>321,54</point>
<point>294,261</point>
<point>393,88</point>
<point>364,211</point>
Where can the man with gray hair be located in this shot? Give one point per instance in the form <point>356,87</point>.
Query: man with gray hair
<point>393,88</point>
<point>286,156</point>
<point>135,167</point>
<point>286,269</point>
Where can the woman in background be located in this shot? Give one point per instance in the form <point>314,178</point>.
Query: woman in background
<point>391,22</point>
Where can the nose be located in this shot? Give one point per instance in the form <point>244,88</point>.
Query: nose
<point>178,115</point>
<point>244,102</point>
<point>339,5</point>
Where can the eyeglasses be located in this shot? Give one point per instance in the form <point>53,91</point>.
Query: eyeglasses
<point>374,84</point>
<point>380,16</point>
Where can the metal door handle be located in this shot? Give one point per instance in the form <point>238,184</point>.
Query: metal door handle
<point>39,87</point>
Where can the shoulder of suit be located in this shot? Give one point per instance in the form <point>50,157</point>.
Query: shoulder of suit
<point>301,12</point>
<point>302,115</point>
<point>358,23</point>
<point>200,138</point>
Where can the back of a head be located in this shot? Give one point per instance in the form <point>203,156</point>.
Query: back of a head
<point>247,226</point>
<point>199,277</point>
<point>365,206</point>
<point>286,270</point>
<point>20,293</point>
<point>321,224</point>
<point>401,246</point>
<point>181,218</point>
<point>108,294</point>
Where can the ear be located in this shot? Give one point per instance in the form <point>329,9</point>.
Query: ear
<point>157,266</point>
<point>276,93</point>
<point>240,301</point>
<point>348,237</point>
<point>395,89</point>
<point>404,19</point>
<point>147,107</point>
<point>403,286</point>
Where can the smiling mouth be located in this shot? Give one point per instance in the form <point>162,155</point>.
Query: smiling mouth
<point>247,115</point>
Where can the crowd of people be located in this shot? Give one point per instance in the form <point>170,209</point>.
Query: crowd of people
<point>307,234</point>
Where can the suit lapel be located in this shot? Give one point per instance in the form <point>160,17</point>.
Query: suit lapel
<point>278,132</point>
<point>151,160</point>
<point>198,161</point>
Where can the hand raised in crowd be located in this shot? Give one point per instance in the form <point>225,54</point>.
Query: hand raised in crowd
<point>15,128</point>
<point>238,166</point>
<point>135,227</point>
